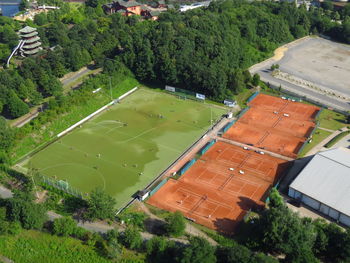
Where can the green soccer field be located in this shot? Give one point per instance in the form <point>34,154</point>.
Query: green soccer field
<point>128,145</point>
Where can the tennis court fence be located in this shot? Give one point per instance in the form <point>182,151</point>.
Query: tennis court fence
<point>206,147</point>
<point>252,97</point>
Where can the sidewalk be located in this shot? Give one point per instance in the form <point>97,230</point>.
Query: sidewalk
<point>320,147</point>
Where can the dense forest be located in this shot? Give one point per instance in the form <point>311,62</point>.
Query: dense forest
<point>205,50</point>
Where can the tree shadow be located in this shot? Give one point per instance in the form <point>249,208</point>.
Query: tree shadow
<point>155,226</point>
<point>247,204</point>
<point>227,226</point>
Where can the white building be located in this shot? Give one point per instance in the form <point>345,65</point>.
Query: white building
<point>324,184</point>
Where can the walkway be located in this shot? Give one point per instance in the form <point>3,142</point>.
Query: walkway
<point>329,130</point>
<point>254,148</point>
<point>320,147</point>
<point>102,227</point>
<point>189,228</point>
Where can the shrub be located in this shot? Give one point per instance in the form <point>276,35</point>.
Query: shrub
<point>175,224</point>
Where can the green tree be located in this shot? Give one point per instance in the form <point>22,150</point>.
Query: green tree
<point>176,224</point>
<point>113,250</point>
<point>100,205</point>
<point>236,254</point>
<point>4,225</point>
<point>338,247</point>
<point>256,79</point>
<point>198,251</point>
<point>275,199</point>
<point>155,248</point>
<point>15,107</point>
<point>31,215</point>
<point>6,135</point>
<point>40,19</point>
<point>131,238</point>
<point>135,219</point>
<point>64,226</point>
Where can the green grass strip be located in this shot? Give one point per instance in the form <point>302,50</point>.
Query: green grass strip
<point>336,139</point>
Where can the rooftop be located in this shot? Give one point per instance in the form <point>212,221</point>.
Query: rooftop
<point>34,33</point>
<point>31,46</point>
<point>27,29</point>
<point>32,39</point>
<point>326,178</point>
<point>128,3</point>
<point>31,52</point>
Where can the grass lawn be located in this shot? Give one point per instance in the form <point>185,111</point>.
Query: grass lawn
<point>318,136</point>
<point>336,139</point>
<point>242,97</point>
<point>332,120</point>
<point>76,113</point>
<point>125,147</point>
<point>34,246</point>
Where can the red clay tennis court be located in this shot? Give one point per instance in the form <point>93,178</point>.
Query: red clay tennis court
<point>296,110</point>
<point>221,186</point>
<point>261,118</point>
<point>265,138</point>
<point>275,124</point>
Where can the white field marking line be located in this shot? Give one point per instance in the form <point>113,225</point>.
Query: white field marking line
<point>114,128</point>
<point>63,164</point>
<point>104,123</point>
<point>102,159</point>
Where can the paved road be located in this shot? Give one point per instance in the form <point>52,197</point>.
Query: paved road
<point>68,80</point>
<point>329,101</point>
<point>5,193</point>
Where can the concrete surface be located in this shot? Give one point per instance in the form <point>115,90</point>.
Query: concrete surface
<point>5,193</point>
<point>320,61</point>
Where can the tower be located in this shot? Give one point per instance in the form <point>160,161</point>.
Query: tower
<point>31,44</point>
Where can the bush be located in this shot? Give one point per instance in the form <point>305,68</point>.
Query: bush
<point>135,219</point>
<point>64,226</point>
<point>131,238</point>
<point>176,224</point>
<point>100,205</point>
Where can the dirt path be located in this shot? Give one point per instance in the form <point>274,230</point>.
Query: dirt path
<point>189,228</point>
<point>102,227</point>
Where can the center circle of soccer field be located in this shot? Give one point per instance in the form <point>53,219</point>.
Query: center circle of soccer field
<point>61,171</point>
